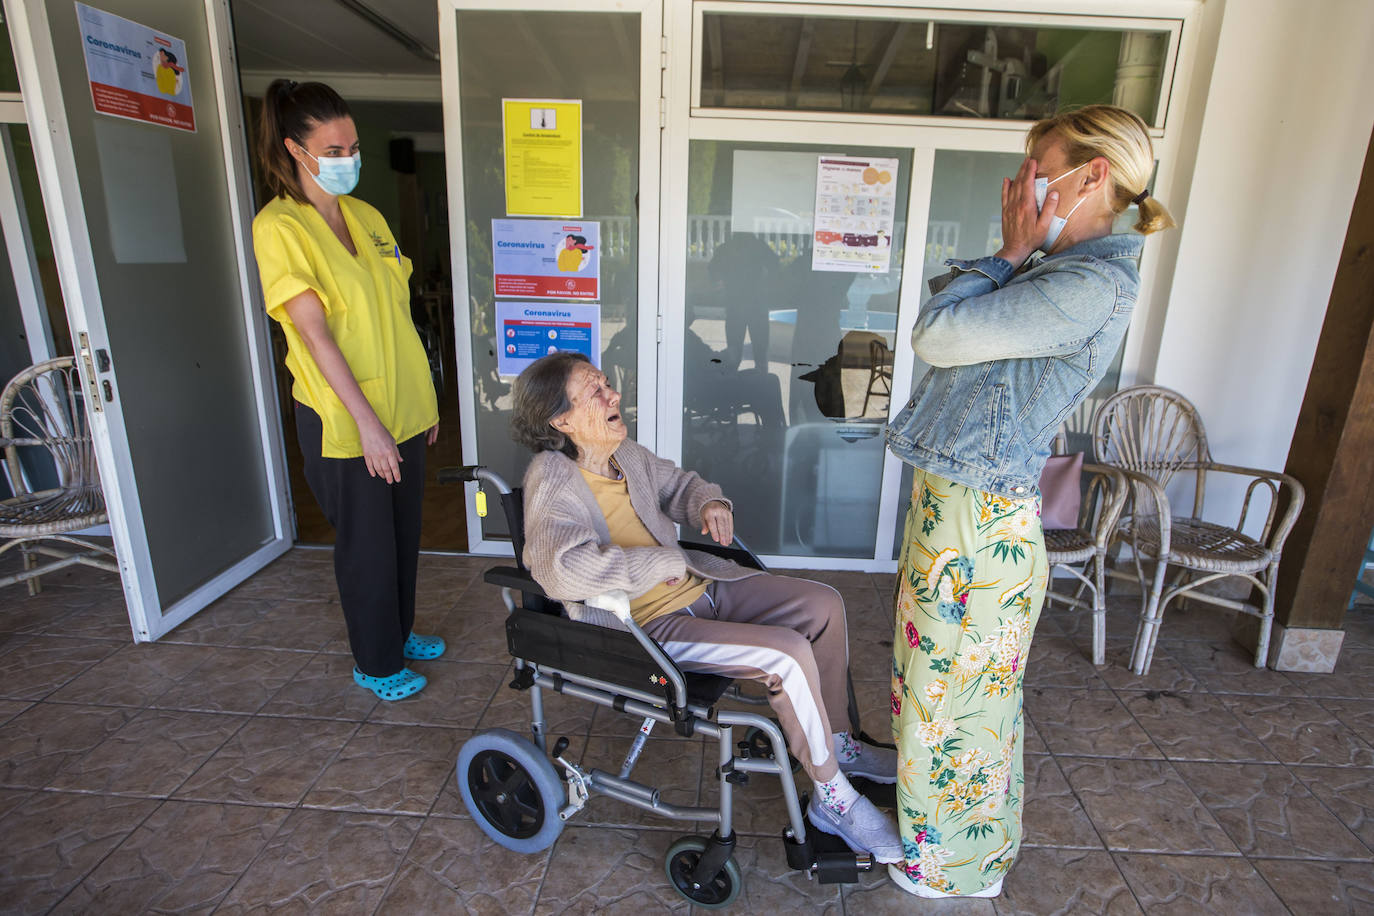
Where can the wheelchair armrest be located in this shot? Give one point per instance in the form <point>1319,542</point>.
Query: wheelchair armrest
<point>510,577</point>
<point>736,552</point>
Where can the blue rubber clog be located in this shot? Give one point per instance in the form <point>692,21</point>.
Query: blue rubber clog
<point>423,648</point>
<point>398,686</point>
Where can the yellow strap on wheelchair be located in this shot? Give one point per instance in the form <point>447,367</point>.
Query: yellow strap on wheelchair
<point>481,503</point>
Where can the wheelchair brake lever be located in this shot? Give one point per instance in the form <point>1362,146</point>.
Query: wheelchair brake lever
<point>577,782</point>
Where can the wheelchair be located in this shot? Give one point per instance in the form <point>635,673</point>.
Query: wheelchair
<point>520,794</point>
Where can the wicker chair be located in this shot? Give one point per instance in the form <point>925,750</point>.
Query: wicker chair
<point>42,412</point>
<point>1074,550</point>
<point>1152,434</point>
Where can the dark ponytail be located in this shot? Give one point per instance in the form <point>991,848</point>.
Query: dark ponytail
<point>291,109</point>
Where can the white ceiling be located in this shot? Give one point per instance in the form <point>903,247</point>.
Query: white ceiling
<point>284,37</point>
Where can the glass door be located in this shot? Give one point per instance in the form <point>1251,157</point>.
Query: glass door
<point>148,203</point>
<point>600,61</point>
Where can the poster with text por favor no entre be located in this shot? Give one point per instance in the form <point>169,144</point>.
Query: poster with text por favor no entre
<point>136,72</point>
<point>542,144</point>
<point>546,258</point>
<point>526,331</point>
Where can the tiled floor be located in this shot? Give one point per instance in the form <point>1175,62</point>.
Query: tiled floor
<point>233,766</point>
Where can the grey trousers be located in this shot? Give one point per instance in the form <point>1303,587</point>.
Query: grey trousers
<point>787,634</point>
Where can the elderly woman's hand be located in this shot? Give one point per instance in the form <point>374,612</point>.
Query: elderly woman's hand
<point>718,521</point>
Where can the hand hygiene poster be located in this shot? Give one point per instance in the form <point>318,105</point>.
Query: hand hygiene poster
<point>136,72</point>
<point>528,330</point>
<point>546,259</point>
<point>543,156</point>
<point>856,199</point>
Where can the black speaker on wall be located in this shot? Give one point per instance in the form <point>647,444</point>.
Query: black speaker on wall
<point>402,151</point>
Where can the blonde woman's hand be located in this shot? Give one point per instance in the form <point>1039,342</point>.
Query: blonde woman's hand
<point>1023,226</point>
<point>718,521</point>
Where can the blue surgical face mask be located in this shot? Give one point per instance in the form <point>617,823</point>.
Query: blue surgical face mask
<point>1057,223</point>
<point>338,174</point>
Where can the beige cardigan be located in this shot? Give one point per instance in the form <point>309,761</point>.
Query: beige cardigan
<point>568,547</point>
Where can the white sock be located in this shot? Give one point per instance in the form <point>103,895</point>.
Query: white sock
<point>837,794</point>
<point>846,747</point>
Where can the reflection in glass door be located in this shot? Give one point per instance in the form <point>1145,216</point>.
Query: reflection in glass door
<point>787,369</point>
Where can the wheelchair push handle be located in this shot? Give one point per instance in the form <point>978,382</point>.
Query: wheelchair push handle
<point>470,473</point>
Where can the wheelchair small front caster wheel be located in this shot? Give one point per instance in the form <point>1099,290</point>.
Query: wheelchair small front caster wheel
<point>511,790</point>
<point>715,894</point>
<point>761,748</point>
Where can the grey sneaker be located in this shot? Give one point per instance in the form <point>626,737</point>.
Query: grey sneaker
<point>863,827</point>
<point>878,764</point>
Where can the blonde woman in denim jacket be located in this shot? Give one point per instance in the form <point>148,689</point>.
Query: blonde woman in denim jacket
<point>1016,344</point>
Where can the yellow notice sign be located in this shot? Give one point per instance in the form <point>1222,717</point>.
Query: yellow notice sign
<point>543,154</point>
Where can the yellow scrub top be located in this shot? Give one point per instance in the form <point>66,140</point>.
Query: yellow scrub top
<point>166,80</point>
<point>367,307</point>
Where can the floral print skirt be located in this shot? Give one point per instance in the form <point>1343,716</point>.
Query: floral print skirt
<point>970,586</point>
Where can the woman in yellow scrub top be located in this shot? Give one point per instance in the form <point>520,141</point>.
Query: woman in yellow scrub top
<point>334,277</point>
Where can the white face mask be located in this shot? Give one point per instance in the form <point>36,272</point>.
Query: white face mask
<point>1057,223</point>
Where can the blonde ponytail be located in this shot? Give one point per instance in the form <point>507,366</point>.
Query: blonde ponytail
<point>1154,216</point>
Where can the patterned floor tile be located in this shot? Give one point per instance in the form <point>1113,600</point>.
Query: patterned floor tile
<point>323,689</point>
<point>259,623</point>
<point>325,861</point>
<point>269,762</point>
<point>45,663</point>
<point>770,886</point>
<point>47,737</point>
<point>1087,723</point>
<point>1144,806</point>
<point>151,755</point>
<point>611,871</point>
<point>1194,726</point>
<point>1062,881</point>
<point>1300,731</point>
<point>234,680</point>
<point>1053,816</point>
<point>1347,793</point>
<point>1056,661</point>
<point>135,675</point>
<point>1269,813</point>
<point>1223,667</point>
<point>388,768</point>
<point>1353,676</point>
<point>1321,887</point>
<point>1198,884</point>
<point>54,839</point>
<point>454,867</point>
<point>183,859</point>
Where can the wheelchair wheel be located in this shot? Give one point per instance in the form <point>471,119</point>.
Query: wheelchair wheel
<point>715,894</point>
<point>511,789</point>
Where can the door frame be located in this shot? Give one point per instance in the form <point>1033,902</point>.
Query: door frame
<point>652,61</point>
<point>43,105</point>
<point>686,120</point>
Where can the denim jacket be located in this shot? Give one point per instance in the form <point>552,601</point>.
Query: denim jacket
<point>1013,355</point>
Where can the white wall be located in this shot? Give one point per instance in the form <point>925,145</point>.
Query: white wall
<point>1283,139</point>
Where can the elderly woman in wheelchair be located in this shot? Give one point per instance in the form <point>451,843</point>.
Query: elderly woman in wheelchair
<point>599,515</point>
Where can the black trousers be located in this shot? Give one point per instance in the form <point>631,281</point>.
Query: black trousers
<point>377,547</point>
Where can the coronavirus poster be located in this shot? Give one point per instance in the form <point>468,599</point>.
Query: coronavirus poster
<point>546,258</point>
<point>856,199</point>
<point>528,330</point>
<point>135,71</point>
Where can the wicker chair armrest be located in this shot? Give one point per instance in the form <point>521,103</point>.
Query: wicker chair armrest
<point>1274,535</point>
<point>1139,481</point>
<point>1114,491</point>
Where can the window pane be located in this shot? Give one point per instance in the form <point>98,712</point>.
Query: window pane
<point>911,67</point>
<point>550,55</point>
<point>784,366</point>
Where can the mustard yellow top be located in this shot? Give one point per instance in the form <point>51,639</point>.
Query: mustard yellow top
<point>613,497</point>
<point>367,307</point>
